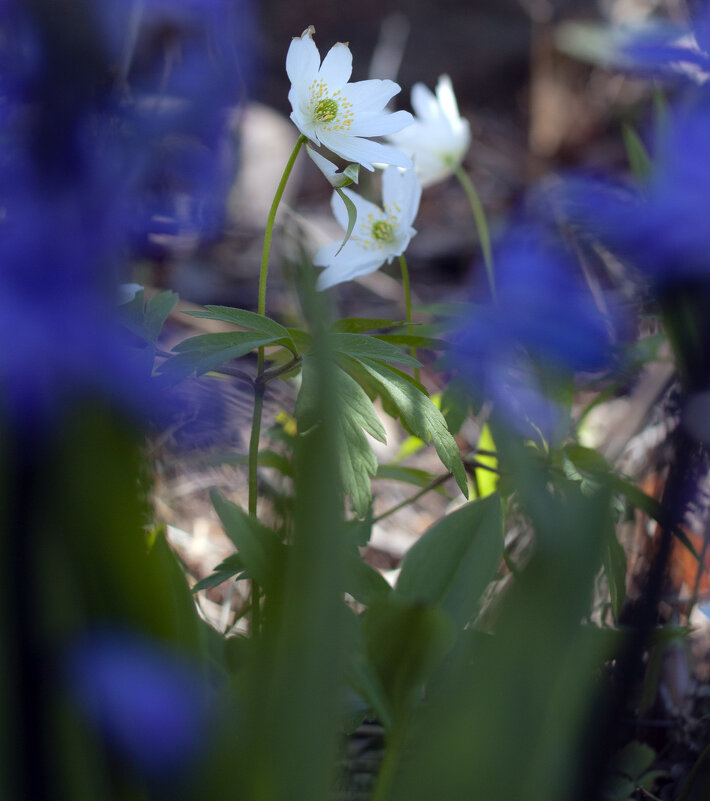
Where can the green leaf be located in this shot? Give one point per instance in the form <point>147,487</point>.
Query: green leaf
<point>634,759</point>
<point>210,354</point>
<point>639,160</point>
<point>266,458</point>
<point>359,325</point>
<point>419,413</point>
<point>362,346</point>
<point>357,460</point>
<point>245,319</point>
<point>216,578</point>
<point>362,581</point>
<point>593,463</point>
<point>212,343</point>
<point>352,171</point>
<point>455,560</point>
<point>157,311</point>
<point>261,550</point>
<point>413,341</point>
<point>614,564</point>
<point>404,641</point>
<point>352,216</point>
<point>409,475</point>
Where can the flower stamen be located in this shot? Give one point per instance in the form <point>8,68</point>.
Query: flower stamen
<point>325,110</point>
<point>383,231</point>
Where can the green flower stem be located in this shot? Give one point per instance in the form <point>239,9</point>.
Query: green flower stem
<point>408,305</point>
<point>479,216</point>
<point>258,383</point>
<point>385,779</point>
<point>270,223</point>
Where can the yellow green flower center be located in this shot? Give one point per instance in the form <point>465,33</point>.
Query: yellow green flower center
<point>331,111</point>
<point>383,231</point>
<point>325,110</point>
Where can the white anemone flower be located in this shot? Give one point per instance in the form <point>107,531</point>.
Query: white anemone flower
<point>438,138</point>
<point>380,234</point>
<point>330,111</point>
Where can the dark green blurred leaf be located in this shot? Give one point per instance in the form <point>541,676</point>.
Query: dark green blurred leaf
<point>157,311</point>
<point>404,641</point>
<point>359,325</point>
<point>412,340</point>
<point>363,582</point>
<point>614,563</point>
<point>455,560</point>
<point>261,550</point>
<point>409,475</point>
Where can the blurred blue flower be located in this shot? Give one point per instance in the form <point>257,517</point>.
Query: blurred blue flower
<point>545,323</point>
<point>659,227</point>
<point>114,127</point>
<point>151,706</point>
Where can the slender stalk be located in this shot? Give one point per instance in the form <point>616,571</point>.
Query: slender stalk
<point>258,384</point>
<point>408,306</point>
<point>263,275</point>
<point>270,223</point>
<point>389,766</point>
<point>437,482</point>
<point>479,217</point>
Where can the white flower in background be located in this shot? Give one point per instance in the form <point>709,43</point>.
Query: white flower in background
<point>438,138</point>
<point>336,179</point>
<point>330,111</point>
<point>379,235</point>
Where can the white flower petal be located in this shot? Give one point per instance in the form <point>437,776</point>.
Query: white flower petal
<point>346,269</point>
<point>438,138</point>
<point>370,124</point>
<point>401,190</point>
<point>337,66</point>
<point>372,95</point>
<point>328,169</point>
<point>302,61</point>
<point>447,99</point>
<point>424,103</point>
<point>364,152</point>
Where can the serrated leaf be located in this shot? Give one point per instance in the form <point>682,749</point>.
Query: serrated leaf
<point>359,325</point>
<point>455,560</point>
<point>352,216</point>
<point>259,548</point>
<point>419,413</point>
<point>357,460</point>
<point>244,319</point>
<point>210,356</point>
<point>157,311</point>
<point>362,346</point>
<point>211,343</point>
